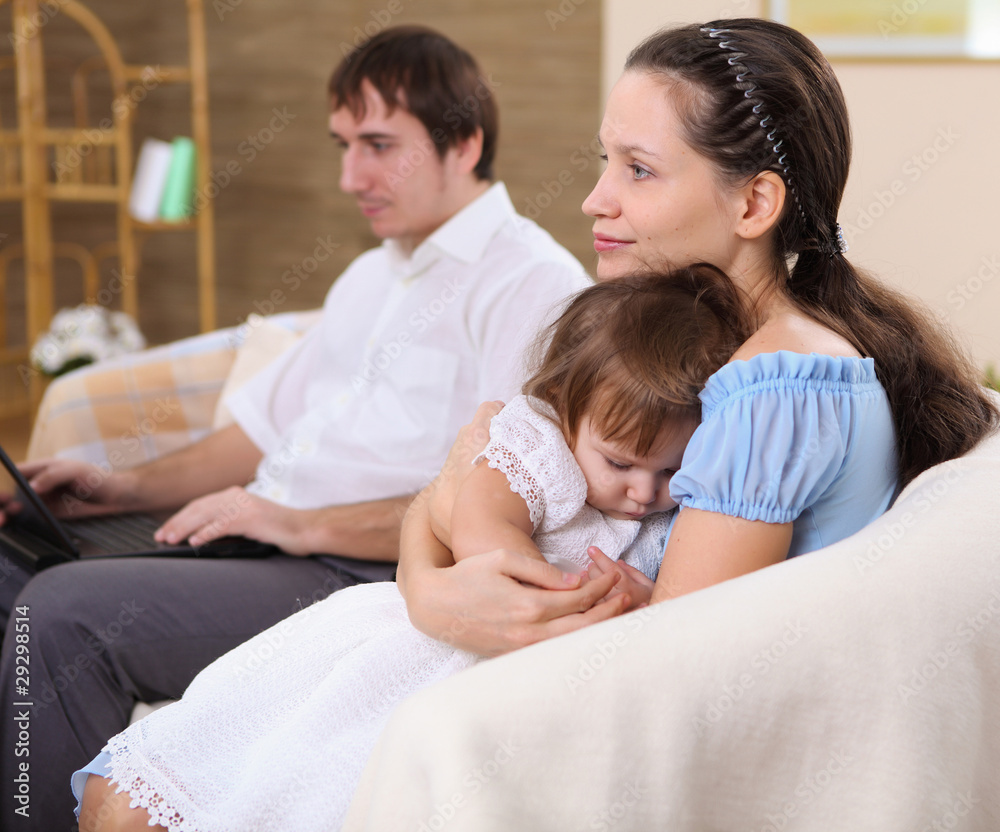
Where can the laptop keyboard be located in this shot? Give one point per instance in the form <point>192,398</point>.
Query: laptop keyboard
<point>119,532</point>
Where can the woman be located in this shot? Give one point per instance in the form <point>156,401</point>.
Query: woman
<point>726,142</point>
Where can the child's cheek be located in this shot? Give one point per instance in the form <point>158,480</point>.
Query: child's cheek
<point>606,480</point>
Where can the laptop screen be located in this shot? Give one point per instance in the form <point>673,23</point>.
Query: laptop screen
<point>33,515</point>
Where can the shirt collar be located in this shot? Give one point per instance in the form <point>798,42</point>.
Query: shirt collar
<point>464,237</point>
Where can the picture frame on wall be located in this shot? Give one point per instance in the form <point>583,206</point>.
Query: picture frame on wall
<point>896,29</point>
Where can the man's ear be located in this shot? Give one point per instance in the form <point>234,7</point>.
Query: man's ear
<point>762,201</point>
<point>468,152</point>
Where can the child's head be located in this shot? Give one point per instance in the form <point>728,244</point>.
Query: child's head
<point>622,369</point>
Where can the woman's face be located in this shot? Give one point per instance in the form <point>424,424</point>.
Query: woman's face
<point>658,203</point>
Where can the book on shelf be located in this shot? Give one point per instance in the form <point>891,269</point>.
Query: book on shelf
<point>163,185</point>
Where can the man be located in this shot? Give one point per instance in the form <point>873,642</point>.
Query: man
<point>334,437</point>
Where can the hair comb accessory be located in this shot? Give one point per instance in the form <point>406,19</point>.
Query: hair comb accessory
<point>836,244</point>
<point>766,122</point>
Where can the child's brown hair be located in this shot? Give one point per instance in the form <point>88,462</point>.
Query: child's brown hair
<point>634,353</point>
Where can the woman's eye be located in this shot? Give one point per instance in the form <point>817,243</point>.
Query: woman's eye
<point>638,172</point>
<point>603,157</point>
<point>618,466</point>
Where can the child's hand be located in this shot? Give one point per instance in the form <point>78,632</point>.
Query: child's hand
<point>632,583</point>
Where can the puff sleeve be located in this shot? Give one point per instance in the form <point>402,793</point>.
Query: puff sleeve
<point>530,450</point>
<point>775,434</point>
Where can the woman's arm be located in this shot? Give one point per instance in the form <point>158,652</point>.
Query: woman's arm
<point>420,550</point>
<point>494,602</point>
<point>706,548</point>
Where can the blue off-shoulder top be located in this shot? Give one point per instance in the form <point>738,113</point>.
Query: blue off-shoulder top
<point>787,437</point>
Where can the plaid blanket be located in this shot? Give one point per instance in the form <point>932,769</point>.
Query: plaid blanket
<point>136,408</point>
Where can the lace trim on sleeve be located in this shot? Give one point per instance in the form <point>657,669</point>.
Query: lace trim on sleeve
<point>521,481</point>
<point>528,447</point>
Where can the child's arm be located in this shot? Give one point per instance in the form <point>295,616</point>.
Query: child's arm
<point>488,515</point>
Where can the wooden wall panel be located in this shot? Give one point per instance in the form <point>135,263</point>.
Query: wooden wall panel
<point>267,57</point>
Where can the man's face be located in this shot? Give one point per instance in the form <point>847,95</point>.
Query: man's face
<point>392,167</point>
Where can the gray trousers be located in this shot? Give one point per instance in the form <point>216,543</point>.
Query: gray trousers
<point>100,635</point>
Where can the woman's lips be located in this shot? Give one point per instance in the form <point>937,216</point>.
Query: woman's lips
<point>604,243</point>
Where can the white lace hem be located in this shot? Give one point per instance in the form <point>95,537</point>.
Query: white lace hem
<point>142,794</point>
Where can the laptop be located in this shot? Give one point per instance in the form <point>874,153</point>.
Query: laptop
<point>39,539</point>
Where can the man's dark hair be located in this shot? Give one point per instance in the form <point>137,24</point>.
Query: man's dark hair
<point>423,72</point>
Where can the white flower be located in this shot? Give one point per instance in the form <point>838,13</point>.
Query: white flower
<point>83,335</point>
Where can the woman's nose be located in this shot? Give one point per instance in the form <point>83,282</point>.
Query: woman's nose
<point>601,201</point>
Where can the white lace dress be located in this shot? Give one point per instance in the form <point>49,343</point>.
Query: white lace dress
<point>274,735</point>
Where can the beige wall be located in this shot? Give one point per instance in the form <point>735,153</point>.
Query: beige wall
<point>939,237</point>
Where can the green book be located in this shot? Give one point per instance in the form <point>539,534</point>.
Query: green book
<point>178,192</point>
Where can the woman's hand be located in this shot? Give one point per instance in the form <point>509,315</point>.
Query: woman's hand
<point>631,582</point>
<point>500,601</point>
<point>471,441</point>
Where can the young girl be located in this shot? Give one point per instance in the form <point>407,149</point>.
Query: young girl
<point>274,735</point>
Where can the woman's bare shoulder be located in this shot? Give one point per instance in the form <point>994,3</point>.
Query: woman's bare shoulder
<point>795,332</point>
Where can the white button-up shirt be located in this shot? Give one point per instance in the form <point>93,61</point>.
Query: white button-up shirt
<point>367,405</point>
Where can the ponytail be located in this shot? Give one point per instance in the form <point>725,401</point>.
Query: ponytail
<point>939,406</point>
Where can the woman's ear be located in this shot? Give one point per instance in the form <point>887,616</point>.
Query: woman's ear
<point>763,199</point>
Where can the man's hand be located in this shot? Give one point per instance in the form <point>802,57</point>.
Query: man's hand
<point>233,511</point>
<point>9,506</point>
<point>79,489</point>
